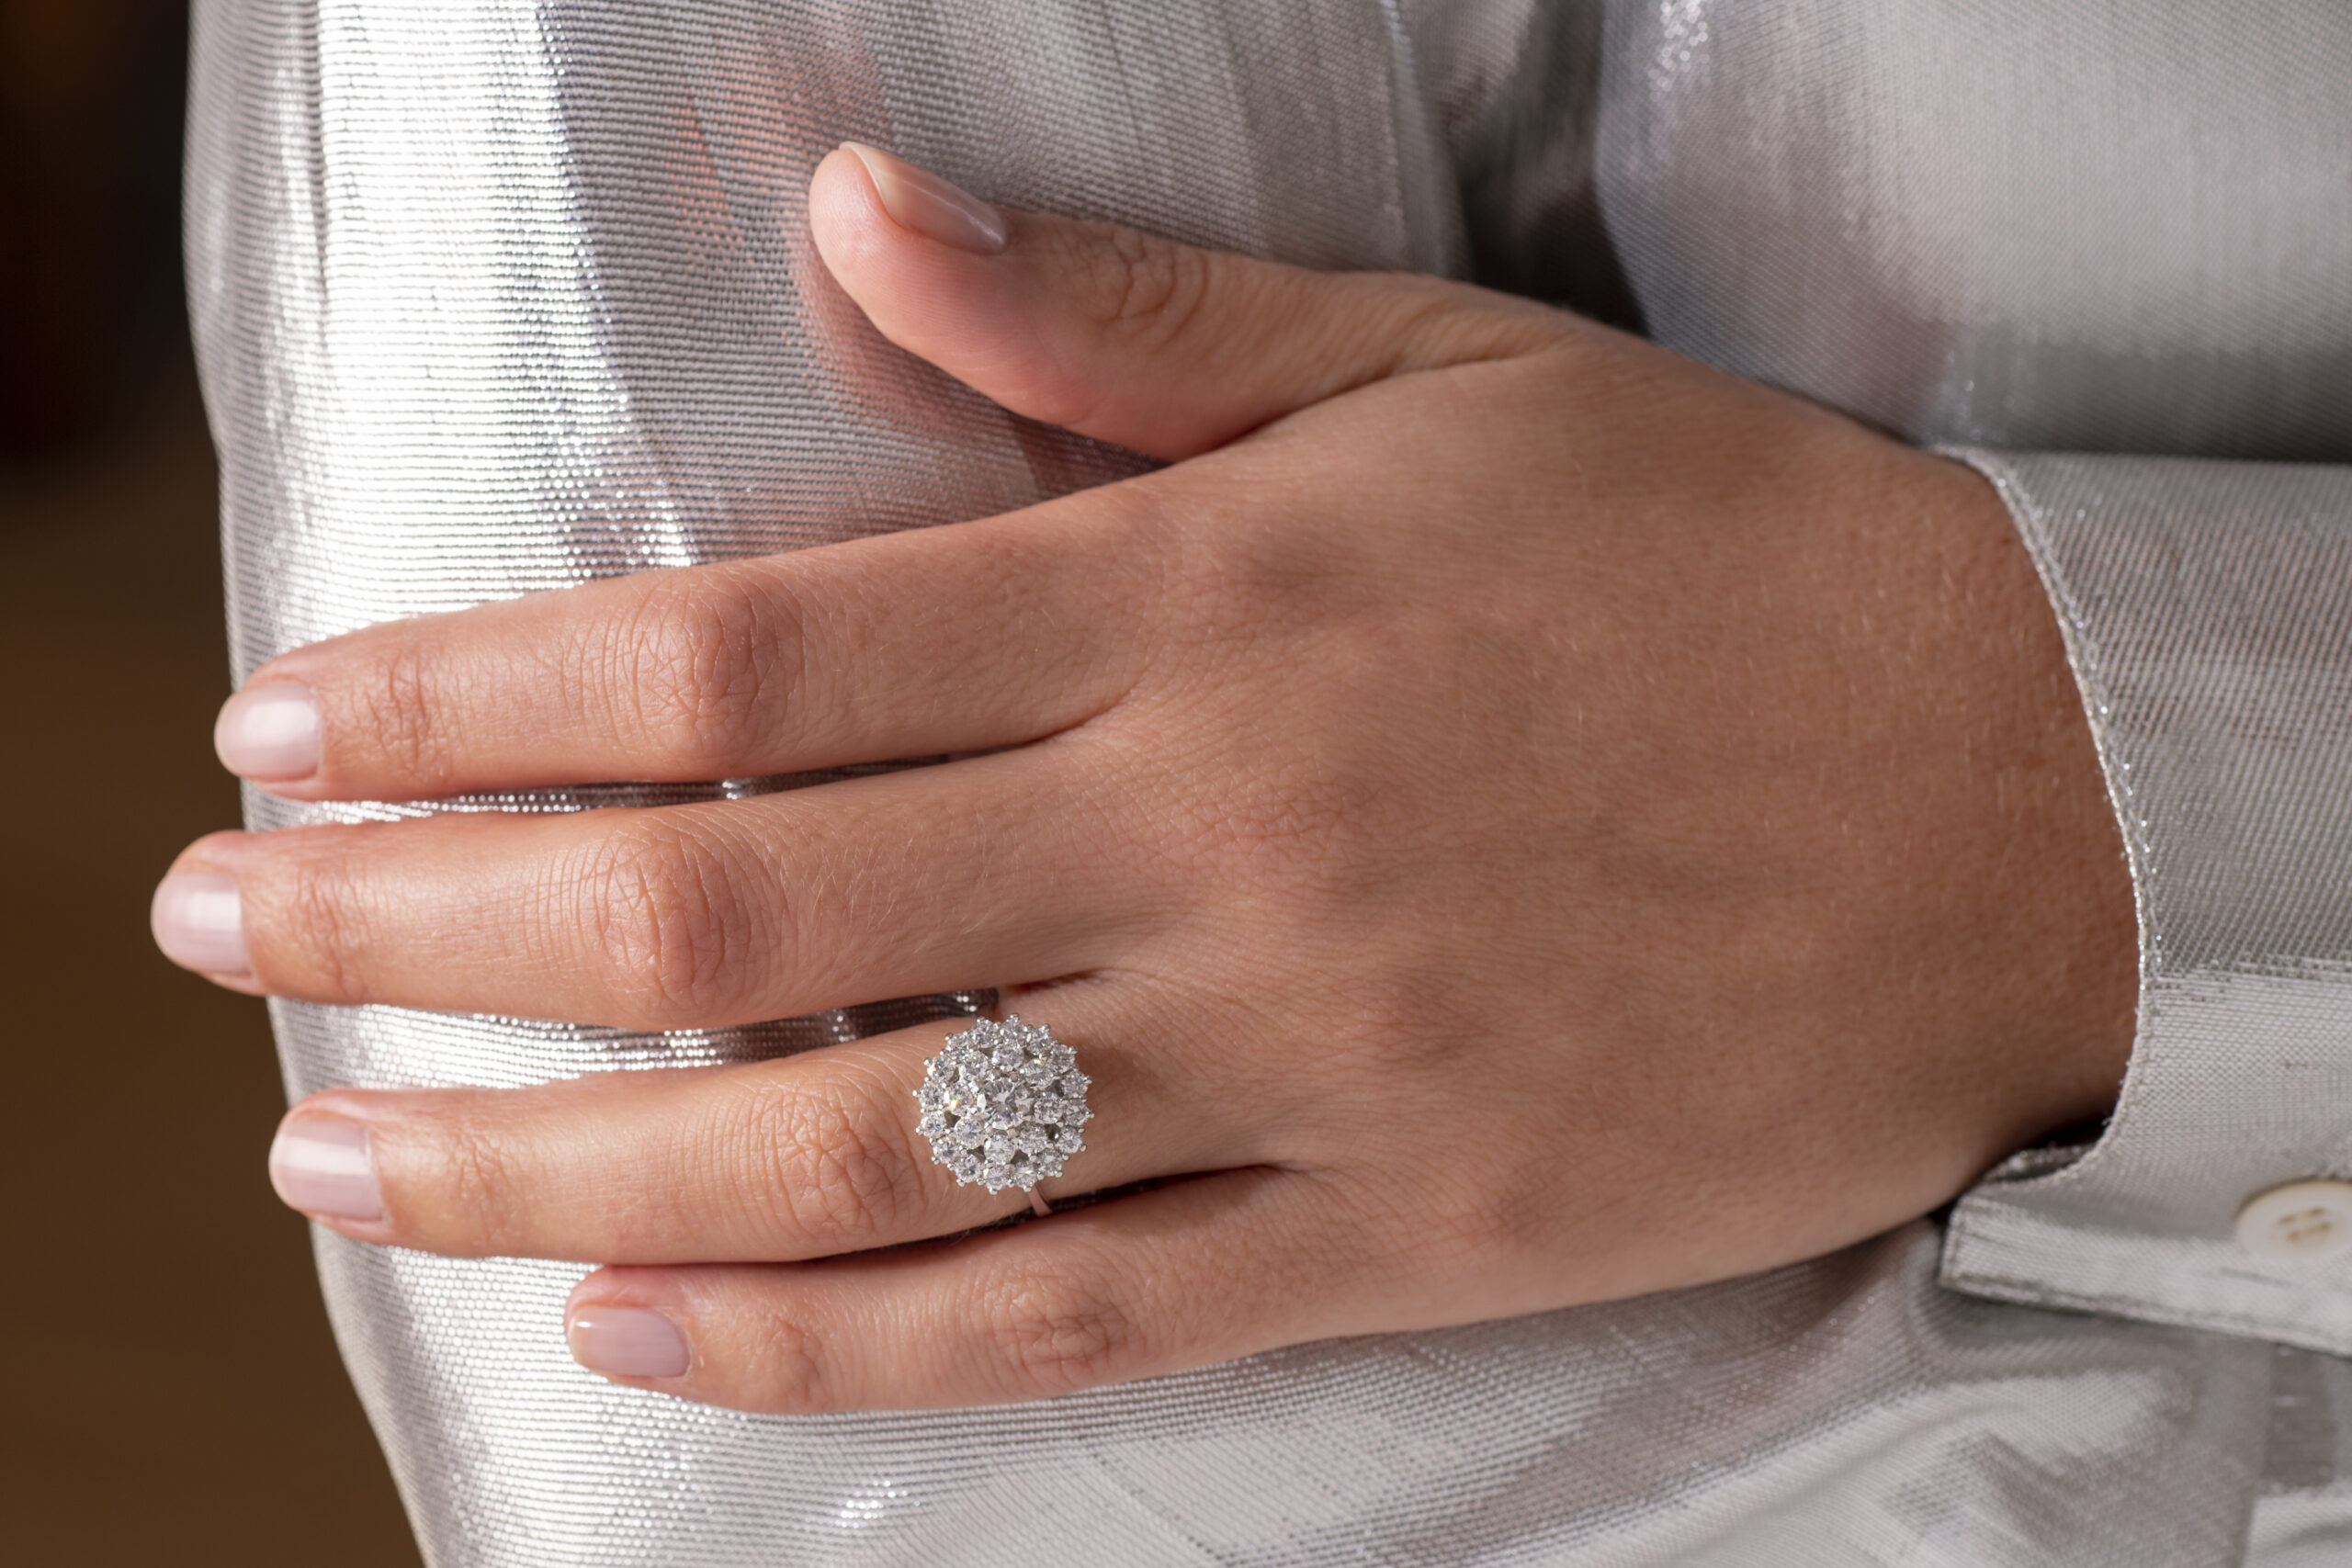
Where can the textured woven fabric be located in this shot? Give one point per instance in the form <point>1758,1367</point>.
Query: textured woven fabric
<point>2209,606</point>
<point>493,295</point>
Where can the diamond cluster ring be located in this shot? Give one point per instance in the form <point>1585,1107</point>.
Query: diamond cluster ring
<point>1002,1104</point>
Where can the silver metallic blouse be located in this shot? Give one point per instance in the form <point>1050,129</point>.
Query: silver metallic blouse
<point>499,294</point>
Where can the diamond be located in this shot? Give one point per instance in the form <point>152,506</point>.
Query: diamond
<point>1002,1104</point>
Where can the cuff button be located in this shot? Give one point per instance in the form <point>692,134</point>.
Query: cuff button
<point>2303,1220</point>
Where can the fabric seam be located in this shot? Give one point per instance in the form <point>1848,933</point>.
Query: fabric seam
<point>2032,1292</point>
<point>2085,659</point>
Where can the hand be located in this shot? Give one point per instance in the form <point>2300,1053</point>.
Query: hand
<point>1510,817</point>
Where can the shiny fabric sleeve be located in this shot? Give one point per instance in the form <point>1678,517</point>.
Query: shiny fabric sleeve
<point>2206,608</point>
<point>2001,228</point>
<point>495,296</point>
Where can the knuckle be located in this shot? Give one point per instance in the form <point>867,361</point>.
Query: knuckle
<point>1403,1020</point>
<point>837,1175</point>
<point>1499,1221</point>
<point>785,1371</point>
<point>448,1181</point>
<point>1483,1217</point>
<point>399,709</point>
<point>1300,816</point>
<point>1055,1332</point>
<point>314,925</point>
<point>1148,291</point>
<point>1282,831</point>
<point>670,920</point>
<point>693,675</point>
<point>471,1186</point>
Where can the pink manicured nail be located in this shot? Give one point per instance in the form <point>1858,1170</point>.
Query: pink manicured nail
<point>627,1342</point>
<point>200,923</point>
<point>923,202</point>
<point>269,731</point>
<point>320,1165</point>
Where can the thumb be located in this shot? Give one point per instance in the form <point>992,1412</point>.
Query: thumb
<point>1158,346</point>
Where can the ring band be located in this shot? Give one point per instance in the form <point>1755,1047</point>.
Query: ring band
<point>1002,1104</point>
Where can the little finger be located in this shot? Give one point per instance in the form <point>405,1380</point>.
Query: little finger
<point>1194,1272</point>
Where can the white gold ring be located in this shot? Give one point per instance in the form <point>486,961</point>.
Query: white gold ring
<point>1002,1104</point>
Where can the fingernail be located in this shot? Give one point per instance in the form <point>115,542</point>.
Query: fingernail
<point>922,201</point>
<point>269,731</point>
<point>200,923</point>
<point>320,1165</point>
<point>627,1342</point>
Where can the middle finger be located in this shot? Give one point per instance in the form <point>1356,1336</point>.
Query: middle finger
<point>984,871</point>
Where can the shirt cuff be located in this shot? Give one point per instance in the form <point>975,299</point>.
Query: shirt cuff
<point>2206,608</point>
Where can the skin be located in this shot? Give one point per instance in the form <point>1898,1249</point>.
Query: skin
<point>1512,817</point>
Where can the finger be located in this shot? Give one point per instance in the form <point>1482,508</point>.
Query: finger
<point>689,917</point>
<point>951,640</point>
<point>985,635</point>
<point>1162,347</point>
<point>804,1158</point>
<point>1197,1271</point>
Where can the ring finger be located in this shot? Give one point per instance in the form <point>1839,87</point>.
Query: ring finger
<point>804,1158</point>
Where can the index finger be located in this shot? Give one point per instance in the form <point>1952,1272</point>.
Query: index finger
<point>958,639</point>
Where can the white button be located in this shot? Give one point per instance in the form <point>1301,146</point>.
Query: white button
<point>2303,1220</point>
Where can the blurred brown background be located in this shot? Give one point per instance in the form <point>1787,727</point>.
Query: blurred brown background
<point>172,1395</point>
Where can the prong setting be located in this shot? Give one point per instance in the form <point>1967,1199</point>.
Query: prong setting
<point>1003,1105</point>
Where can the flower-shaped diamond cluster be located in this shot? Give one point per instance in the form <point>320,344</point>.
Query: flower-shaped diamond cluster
<point>1002,1104</point>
